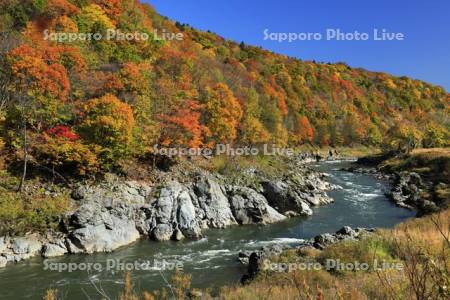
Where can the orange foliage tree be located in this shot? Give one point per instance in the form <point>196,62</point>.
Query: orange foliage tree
<point>223,113</point>
<point>304,132</point>
<point>183,127</point>
<point>39,72</point>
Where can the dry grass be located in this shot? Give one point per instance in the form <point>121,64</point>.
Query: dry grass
<point>433,163</point>
<point>423,231</point>
<point>421,245</point>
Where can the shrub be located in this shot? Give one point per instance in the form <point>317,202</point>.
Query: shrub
<point>36,211</point>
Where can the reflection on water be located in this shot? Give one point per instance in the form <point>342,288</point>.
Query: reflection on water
<point>211,260</point>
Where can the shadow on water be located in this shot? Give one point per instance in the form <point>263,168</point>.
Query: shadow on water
<point>212,260</point>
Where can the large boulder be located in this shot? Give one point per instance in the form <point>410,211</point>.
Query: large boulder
<point>99,229</point>
<point>105,237</point>
<point>213,202</point>
<point>54,250</point>
<point>256,260</point>
<point>173,209</point>
<point>164,207</point>
<point>344,234</point>
<point>23,248</point>
<point>162,232</point>
<point>250,207</point>
<point>26,245</point>
<point>284,199</point>
<point>186,217</point>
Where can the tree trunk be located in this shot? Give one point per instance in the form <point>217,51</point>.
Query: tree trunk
<point>25,159</point>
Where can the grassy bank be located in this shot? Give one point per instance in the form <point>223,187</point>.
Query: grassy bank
<point>38,209</point>
<point>433,165</point>
<point>421,246</point>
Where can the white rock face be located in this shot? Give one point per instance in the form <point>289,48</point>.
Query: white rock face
<point>53,250</point>
<point>213,203</point>
<point>105,237</point>
<point>3,261</point>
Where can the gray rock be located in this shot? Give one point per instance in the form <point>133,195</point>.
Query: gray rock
<point>186,217</point>
<point>164,207</point>
<point>344,234</point>
<point>256,260</point>
<point>53,250</point>
<point>162,232</point>
<point>213,202</point>
<point>104,233</point>
<point>284,199</point>
<point>28,246</point>
<point>406,192</point>
<point>325,239</point>
<point>347,230</point>
<point>178,235</point>
<point>250,207</point>
<point>3,261</point>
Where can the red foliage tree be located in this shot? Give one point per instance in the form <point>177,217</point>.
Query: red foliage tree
<point>183,127</point>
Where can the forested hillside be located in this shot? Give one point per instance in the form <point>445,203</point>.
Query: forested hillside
<point>86,104</point>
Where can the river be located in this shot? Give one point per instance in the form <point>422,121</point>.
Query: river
<point>212,260</point>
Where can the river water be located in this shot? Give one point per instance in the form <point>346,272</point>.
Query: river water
<point>212,260</point>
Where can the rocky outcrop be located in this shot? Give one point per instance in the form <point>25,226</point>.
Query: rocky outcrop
<point>297,192</point>
<point>116,213</point>
<point>213,204</point>
<point>285,199</point>
<point>250,207</point>
<point>408,188</point>
<point>407,192</point>
<point>374,172</point>
<point>18,249</point>
<point>346,233</point>
<point>102,226</point>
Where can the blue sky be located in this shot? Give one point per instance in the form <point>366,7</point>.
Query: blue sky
<point>423,54</point>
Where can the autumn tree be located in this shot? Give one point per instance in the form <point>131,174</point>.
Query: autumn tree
<point>223,113</point>
<point>91,16</point>
<point>252,130</point>
<point>304,132</point>
<point>62,150</point>
<point>435,136</point>
<point>108,122</point>
<point>183,127</point>
<point>40,87</point>
<point>404,137</point>
<point>354,129</point>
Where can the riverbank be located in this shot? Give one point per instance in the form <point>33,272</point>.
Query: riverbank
<point>420,179</point>
<point>180,202</point>
<point>410,261</point>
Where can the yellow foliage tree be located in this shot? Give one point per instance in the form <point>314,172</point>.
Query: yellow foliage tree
<point>109,123</point>
<point>224,113</point>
